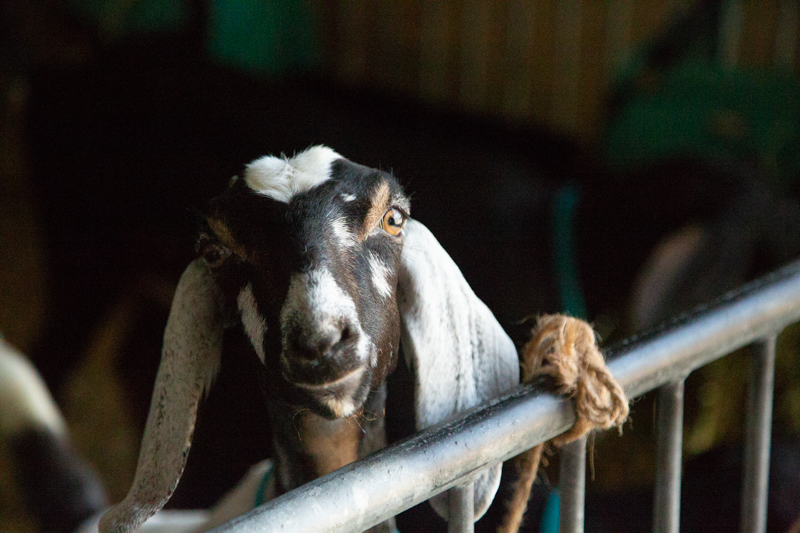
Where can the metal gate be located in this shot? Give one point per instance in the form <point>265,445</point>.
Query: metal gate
<point>444,457</point>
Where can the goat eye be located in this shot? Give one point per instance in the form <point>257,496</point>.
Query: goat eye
<point>393,221</point>
<point>214,254</point>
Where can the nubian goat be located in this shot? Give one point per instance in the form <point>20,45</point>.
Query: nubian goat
<point>317,258</point>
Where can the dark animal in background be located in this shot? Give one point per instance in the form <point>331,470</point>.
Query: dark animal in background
<point>56,485</point>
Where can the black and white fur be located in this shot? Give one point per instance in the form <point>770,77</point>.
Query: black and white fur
<point>318,260</point>
<point>57,487</point>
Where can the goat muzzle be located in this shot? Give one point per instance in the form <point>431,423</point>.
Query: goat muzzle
<point>329,343</point>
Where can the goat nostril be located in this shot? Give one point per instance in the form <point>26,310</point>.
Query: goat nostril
<point>344,335</point>
<point>322,344</point>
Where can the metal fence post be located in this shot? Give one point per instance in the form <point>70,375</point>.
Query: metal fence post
<point>758,437</point>
<point>667,507</point>
<point>461,510</point>
<point>377,487</point>
<point>573,486</point>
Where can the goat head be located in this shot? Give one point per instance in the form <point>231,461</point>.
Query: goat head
<point>316,257</point>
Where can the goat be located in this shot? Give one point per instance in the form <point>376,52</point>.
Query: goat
<point>59,490</point>
<point>57,487</point>
<point>318,260</point>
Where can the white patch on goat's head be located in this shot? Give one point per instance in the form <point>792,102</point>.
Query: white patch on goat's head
<point>317,305</point>
<point>380,275</point>
<point>344,236</point>
<point>281,178</point>
<point>254,324</point>
<point>347,197</point>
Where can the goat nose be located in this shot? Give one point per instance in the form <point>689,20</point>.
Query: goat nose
<point>322,343</point>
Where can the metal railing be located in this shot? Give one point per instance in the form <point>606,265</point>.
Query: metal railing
<point>363,494</point>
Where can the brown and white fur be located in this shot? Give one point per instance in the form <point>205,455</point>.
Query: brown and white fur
<point>316,257</point>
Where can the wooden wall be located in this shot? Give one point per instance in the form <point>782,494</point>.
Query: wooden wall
<point>526,60</point>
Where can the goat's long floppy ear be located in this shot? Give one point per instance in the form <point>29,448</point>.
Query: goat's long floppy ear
<point>458,352</point>
<point>189,361</point>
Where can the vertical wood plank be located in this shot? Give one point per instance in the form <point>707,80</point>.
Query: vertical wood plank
<point>787,35</point>
<point>410,41</point>
<point>759,24</point>
<point>797,54</point>
<point>591,73</point>
<point>475,24</point>
<point>649,18</point>
<point>549,60</point>
<point>386,62</point>
<point>352,42</point>
<point>437,50</point>
<point>618,41</point>
<point>567,50</point>
<point>395,60</point>
<point>543,61</point>
<point>498,28</point>
<point>730,33</point>
<point>517,60</point>
<point>325,15</point>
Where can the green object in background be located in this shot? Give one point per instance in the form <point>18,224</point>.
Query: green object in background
<point>565,254</point>
<point>698,109</point>
<point>121,17</point>
<point>261,492</point>
<point>272,37</point>
<point>268,37</point>
<point>550,514</point>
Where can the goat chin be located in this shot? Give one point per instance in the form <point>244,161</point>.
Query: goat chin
<point>341,397</point>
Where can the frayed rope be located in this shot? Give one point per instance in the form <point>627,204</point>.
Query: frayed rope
<point>565,349</point>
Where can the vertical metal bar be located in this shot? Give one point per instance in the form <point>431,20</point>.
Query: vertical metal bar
<point>573,485</point>
<point>757,437</point>
<point>461,510</point>
<point>667,508</point>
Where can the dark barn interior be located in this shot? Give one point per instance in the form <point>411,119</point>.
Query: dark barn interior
<point>620,161</point>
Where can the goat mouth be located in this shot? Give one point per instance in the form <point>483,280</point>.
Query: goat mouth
<point>340,397</point>
<point>324,371</point>
<point>349,380</point>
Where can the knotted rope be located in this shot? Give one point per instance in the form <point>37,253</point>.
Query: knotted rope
<point>565,349</point>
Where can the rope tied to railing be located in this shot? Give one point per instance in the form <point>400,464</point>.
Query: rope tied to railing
<point>565,349</point>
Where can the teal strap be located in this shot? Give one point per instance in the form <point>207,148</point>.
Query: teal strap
<point>550,515</point>
<point>261,493</point>
<point>564,250</point>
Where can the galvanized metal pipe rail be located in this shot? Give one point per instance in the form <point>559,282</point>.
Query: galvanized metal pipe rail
<point>758,426</point>
<point>461,510</point>
<point>377,487</point>
<point>667,501</point>
<point>572,477</point>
